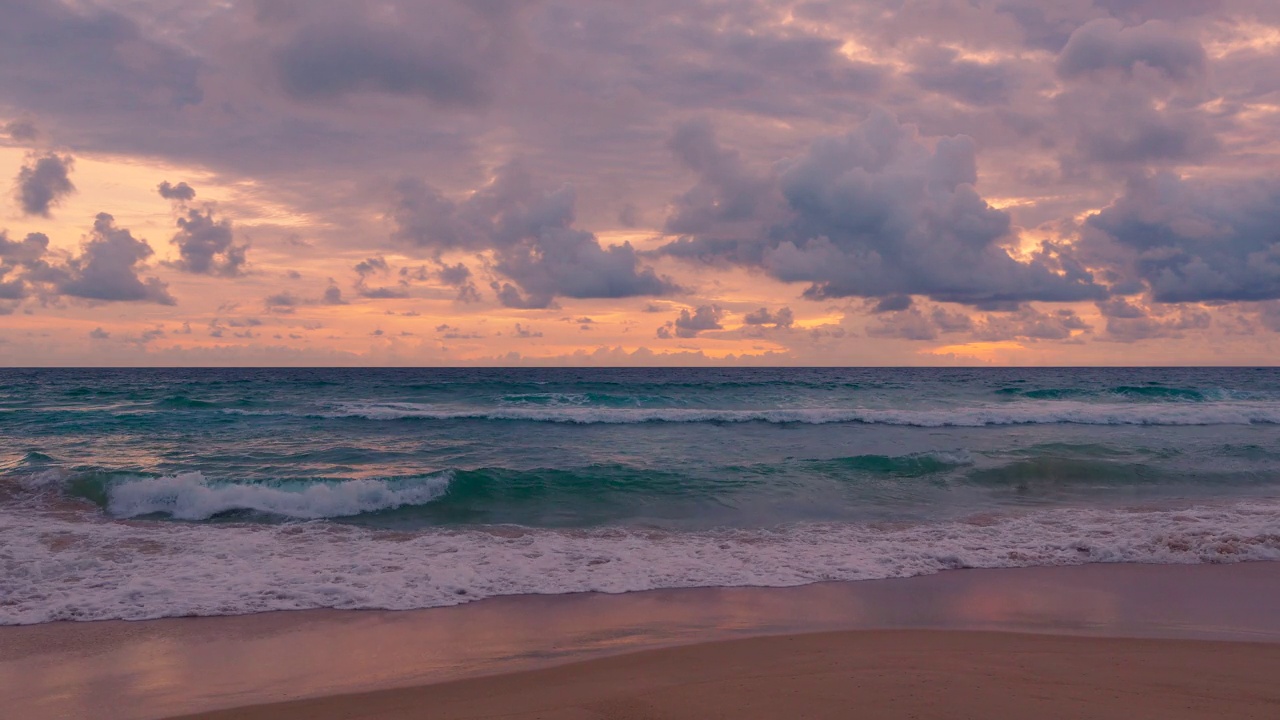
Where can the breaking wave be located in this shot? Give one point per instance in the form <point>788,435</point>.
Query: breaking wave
<point>189,496</point>
<point>58,569</point>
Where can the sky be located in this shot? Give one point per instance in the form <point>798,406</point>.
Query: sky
<point>657,182</point>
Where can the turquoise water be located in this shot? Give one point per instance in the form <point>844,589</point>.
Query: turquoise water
<point>142,493</point>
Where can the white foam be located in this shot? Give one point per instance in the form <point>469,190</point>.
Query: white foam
<point>57,568</point>
<point>189,496</point>
<point>1031,412</point>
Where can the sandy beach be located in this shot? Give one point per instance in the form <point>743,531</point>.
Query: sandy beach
<point>874,674</point>
<point>1090,641</point>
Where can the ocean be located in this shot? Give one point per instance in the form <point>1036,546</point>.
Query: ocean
<point>144,493</point>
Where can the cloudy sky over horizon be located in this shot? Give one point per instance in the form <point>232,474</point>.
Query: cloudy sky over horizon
<point>878,182</point>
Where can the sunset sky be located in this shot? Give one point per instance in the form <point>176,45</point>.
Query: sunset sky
<point>659,182</point>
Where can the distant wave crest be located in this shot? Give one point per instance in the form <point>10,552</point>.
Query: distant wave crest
<point>1027,413</point>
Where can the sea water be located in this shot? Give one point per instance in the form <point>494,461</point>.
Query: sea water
<point>142,493</point>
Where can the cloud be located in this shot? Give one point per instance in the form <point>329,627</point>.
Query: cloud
<point>99,334</point>
<point>1030,324</point>
<point>108,266</point>
<point>332,296</point>
<point>43,182</point>
<point>688,325</point>
<point>459,276</point>
<point>372,266</point>
<point>382,293</point>
<point>892,303</point>
<point>29,251</point>
<point>282,302</point>
<point>22,263</point>
<point>941,70</point>
<point>727,193</point>
<point>1023,324</point>
<point>21,130</point>
<point>82,59</point>
<point>531,233</point>
<point>181,192</point>
<point>873,213</point>
<point>378,266</point>
<point>206,246</point>
<point>1193,241</point>
<point>446,52</point>
<point>1106,44</point>
<point>783,318</point>
<point>1128,322</point>
<point>449,332</point>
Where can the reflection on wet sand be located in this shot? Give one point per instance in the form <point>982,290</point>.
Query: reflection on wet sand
<point>165,667</point>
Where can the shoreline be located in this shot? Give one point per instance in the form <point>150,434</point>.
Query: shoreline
<point>170,667</point>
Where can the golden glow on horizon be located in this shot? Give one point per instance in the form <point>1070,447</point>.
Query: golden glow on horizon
<point>984,351</point>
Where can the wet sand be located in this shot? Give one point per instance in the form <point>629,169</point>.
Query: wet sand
<point>891,674</point>
<point>1126,640</point>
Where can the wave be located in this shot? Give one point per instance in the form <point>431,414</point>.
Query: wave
<point>189,496</point>
<point>583,400</point>
<point>182,402</point>
<point>1028,413</point>
<point>455,495</point>
<point>913,465</point>
<point>1156,393</point>
<point>57,568</point>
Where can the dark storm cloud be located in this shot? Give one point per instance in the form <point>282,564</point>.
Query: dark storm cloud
<point>43,182</point>
<point>206,246</point>
<point>531,232</point>
<point>181,192</point>
<point>872,213</point>
<point>1194,241</point>
<point>1106,44</point>
<point>108,266</point>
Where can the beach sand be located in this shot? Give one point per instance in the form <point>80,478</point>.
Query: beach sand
<point>1128,641</point>
<point>871,674</point>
